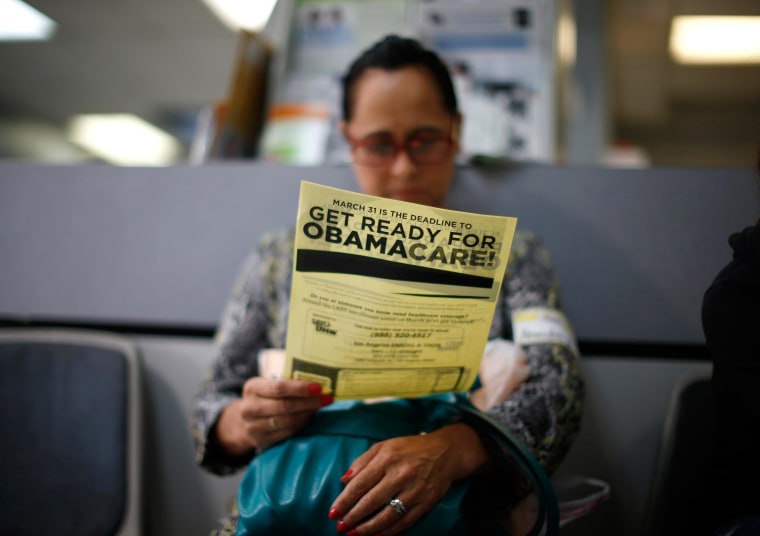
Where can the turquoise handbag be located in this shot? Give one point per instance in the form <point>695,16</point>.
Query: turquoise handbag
<point>289,488</point>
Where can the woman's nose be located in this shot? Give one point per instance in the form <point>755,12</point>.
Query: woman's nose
<point>403,166</point>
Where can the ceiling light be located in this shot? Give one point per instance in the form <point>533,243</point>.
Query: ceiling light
<point>124,139</point>
<point>21,22</point>
<point>715,39</point>
<point>251,15</point>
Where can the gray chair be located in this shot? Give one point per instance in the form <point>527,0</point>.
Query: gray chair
<point>70,446</point>
<point>677,497</point>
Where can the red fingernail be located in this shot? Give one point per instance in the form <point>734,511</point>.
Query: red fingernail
<point>341,526</point>
<point>326,400</point>
<point>353,532</point>
<point>334,514</point>
<point>315,389</point>
<point>347,475</point>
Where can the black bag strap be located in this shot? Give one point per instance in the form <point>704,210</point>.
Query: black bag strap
<point>548,505</point>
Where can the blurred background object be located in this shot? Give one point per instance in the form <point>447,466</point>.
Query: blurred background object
<point>586,79</point>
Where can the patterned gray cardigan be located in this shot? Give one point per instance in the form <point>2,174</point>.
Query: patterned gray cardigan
<point>544,411</point>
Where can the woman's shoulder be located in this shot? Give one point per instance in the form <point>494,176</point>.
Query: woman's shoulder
<point>271,253</point>
<point>277,241</point>
<point>526,243</point>
<point>525,237</point>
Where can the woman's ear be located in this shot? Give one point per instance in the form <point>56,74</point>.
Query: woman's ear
<point>343,128</point>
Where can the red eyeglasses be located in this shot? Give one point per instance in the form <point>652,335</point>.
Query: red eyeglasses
<point>425,146</point>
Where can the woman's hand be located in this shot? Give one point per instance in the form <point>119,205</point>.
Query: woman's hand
<point>269,411</point>
<point>417,470</point>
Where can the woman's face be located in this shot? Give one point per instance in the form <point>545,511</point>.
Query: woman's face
<point>391,108</point>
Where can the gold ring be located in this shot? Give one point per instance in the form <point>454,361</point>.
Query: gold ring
<point>273,424</point>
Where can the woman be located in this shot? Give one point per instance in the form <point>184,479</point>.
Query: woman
<point>402,122</point>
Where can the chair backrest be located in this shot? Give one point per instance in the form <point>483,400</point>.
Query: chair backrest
<point>70,449</point>
<point>677,496</point>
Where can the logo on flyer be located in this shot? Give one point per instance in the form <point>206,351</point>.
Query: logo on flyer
<point>323,326</point>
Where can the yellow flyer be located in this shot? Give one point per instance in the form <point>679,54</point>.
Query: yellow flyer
<point>391,298</point>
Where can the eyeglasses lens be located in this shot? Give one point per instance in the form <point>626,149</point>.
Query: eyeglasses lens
<point>429,149</point>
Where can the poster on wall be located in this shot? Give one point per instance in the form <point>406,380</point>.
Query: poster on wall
<point>325,37</point>
<point>500,51</point>
<point>494,41</point>
<point>502,56</point>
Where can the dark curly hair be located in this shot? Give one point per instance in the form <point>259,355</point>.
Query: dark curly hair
<point>394,52</point>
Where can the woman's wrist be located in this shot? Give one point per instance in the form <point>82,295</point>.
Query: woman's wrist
<point>229,431</point>
<point>478,399</point>
<point>469,455</point>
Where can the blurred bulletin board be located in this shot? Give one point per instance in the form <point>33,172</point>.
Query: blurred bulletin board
<point>506,46</point>
<point>498,40</point>
<point>504,50</point>
<point>326,36</point>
